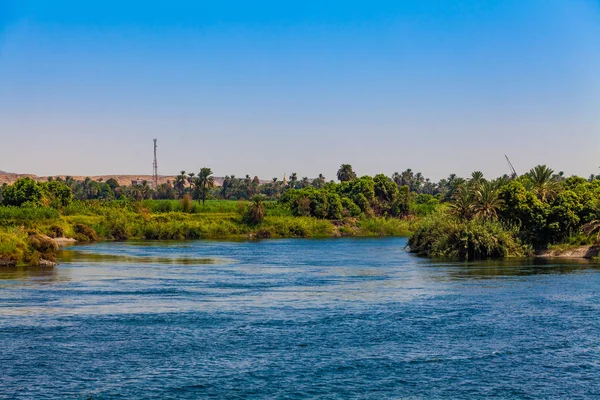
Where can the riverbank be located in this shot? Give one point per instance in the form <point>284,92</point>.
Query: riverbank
<point>32,236</point>
<point>586,252</point>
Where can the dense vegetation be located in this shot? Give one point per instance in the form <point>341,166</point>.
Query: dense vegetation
<point>512,216</point>
<point>455,217</point>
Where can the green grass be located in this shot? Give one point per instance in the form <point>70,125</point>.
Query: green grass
<point>164,220</point>
<point>13,216</point>
<point>212,207</point>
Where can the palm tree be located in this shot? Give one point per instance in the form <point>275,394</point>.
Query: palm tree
<point>462,204</point>
<point>319,181</point>
<point>190,179</point>
<point>543,181</point>
<point>180,183</point>
<point>417,182</point>
<point>345,173</point>
<point>204,182</point>
<point>293,180</point>
<point>135,193</point>
<point>487,201</point>
<point>256,211</point>
<point>304,182</point>
<point>477,177</point>
<point>396,178</point>
<point>406,178</point>
<point>146,190</point>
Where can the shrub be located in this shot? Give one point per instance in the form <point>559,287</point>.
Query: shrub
<point>117,228</point>
<point>265,232</point>
<point>186,203</point>
<point>256,212</point>
<point>442,235</point>
<point>45,246</point>
<point>84,233</point>
<point>56,231</point>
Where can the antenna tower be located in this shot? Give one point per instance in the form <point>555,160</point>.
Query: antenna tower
<point>155,168</point>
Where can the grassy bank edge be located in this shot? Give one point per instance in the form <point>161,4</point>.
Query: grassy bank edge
<point>35,242</point>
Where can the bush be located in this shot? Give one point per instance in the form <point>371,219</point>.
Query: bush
<point>45,246</point>
<point>84,233</point>
<point>13,248</point>
<point>442,235</point>
<point>186,203</point>
<point>56,231</point>
<point>117,228</point>
<point>265,232</point>
<point>256,211</point>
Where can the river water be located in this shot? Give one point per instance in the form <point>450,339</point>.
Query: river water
<point>294,319</point>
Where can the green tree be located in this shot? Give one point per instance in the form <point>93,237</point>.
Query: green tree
<point>24,191</point>
<point>180,183</point>
<point>543,181</point>
<point>112,183</point>
<point>293,180</point>
<point>385,189</point>
<point>463,203</point>
<point>204,182</point>
<point>476,180</point>
<point>346,173</point>
<point>401,205</point>
<point>334,206</point>
<point>57,194</point>
<point>487,201</point>
<point>564,217</point>
<point>256,212</point>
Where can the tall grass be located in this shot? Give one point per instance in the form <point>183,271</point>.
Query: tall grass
<point>11,216</point>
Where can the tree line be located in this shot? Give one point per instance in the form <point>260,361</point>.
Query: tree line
<point>536,209</point>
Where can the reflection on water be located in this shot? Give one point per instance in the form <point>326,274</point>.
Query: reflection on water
<point>515,267</point>
<point>38,274</point>
<point>341,318</point>
<point>71,256</point>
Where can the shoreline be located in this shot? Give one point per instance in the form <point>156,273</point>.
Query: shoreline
<point>576,252</point>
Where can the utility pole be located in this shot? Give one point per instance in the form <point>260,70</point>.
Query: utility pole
<point>155,168</point>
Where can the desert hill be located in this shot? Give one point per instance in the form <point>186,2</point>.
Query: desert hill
<point>124,180</point>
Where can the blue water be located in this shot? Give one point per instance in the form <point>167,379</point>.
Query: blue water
<point>294,319</point>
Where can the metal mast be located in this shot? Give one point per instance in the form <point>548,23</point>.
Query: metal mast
<point>155,168</point>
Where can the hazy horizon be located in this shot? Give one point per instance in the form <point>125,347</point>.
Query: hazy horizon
<point>269,88</point>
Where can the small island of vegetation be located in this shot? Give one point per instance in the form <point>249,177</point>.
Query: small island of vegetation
<point>459,218</point>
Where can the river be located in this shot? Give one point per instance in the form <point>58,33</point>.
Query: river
<point>294,319</point>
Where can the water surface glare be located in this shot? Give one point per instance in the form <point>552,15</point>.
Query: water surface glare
<point>294,319</point>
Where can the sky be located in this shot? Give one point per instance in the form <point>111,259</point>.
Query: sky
<point>269,88</point>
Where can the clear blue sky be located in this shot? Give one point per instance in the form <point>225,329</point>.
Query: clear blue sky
<point>268,88</point>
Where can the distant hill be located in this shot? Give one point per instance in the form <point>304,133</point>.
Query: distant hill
<point>124,180</point>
